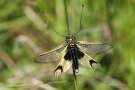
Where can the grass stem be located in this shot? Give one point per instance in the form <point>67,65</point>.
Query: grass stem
<point>74,74</point>
<point>65,5</point>
<point>75,80</point>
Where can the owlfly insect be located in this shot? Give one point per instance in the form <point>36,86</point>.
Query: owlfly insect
<point>72,53</point>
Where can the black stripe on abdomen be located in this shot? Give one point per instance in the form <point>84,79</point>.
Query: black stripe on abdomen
<point>73,53</point>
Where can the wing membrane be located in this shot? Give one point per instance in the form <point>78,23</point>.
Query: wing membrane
<point>89,62</point>
<point>51,56</point>
<point>93,48</point>
<point>63,66</point>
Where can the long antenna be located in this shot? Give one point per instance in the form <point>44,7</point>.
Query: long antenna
<point>80,20</point>
<point>52,25</point>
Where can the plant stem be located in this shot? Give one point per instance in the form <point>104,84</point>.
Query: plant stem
<point>74,74</point>
<point>75,80</point>
<point>65,5</point>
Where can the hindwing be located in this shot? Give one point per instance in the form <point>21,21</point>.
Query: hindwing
<point>63,65</point>
<point>87,61</point>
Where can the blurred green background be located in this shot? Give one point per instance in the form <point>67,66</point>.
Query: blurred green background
<point>25,33</point>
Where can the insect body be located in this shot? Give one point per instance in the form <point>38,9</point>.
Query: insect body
<point>72,53</point>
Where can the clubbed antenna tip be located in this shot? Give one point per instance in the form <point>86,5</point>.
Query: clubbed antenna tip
<point>82,5</point>
<point>43,12</point>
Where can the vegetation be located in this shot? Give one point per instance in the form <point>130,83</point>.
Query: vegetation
<point>25,33</point>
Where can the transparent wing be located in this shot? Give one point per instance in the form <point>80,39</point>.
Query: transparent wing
<point>93,48</point>
<point>89,62</point>
<point>51,56</point>
<point>63,66</point>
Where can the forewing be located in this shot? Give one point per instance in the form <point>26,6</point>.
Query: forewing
<point>51,56</point>
<point>94,48</point>
<point>87,61</point>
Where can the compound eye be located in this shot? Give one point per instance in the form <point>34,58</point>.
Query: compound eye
<point>67,37</point>
<point>73,37</point>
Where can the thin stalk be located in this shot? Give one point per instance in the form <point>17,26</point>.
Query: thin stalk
<point>75,80</point>
<point>65,5</point>
<point>74,74</point>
